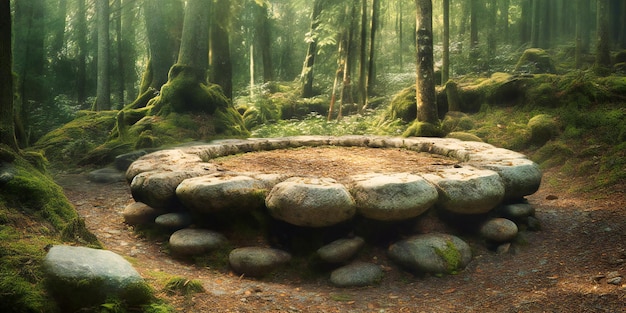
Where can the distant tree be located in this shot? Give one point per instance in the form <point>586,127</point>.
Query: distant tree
<point>81,58</point>
<point>603,48</point>
<point>307,69</point>
<point>129,47</point>
<point>445,62</point>
<point>7,126</point>
<point>103,93</point>
<point>425,86</point>
<point>362,83</point>
<point>371,67</point>
<point>263,39</point>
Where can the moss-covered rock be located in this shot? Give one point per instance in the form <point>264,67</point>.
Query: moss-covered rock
<point>464,136</point>
<point>543,128</point>
<point>535,61</point>
<point>552,154</point>
<point>403,105</point>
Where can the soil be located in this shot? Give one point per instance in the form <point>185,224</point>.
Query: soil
<point>564,267</point>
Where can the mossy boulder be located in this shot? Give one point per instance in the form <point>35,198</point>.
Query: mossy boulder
<point>552,154</point>
<point>543,128</point>
<point>464,136</point>
<point>403,105</point>
<point>535,61</point>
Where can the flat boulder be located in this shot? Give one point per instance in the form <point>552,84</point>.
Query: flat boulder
<point>467,190</point>
<point>106,175</point>
<point>193,241</point>
<point>357,274</point>
<point>340,250</point>
<point>138,213</point>
<point>392,197</point>
<point>257,261</point>
<point>431,253</point>
<point>158,189</point>
<point>311,202</point>
<point>521,177</point>
<point>173,221</point>
<point>80,277</point>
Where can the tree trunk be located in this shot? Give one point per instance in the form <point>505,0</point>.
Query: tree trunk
<point>56,46</point>
<point>103,92</point>
<point>120,80</point>
<point>491,36</point>
<point>579,26</point>
<point>535,24</point>
<point>474,25</point>
<point>371,72</point>
<point>425,85</point>
<point>129,55</point>
<point>399,33</point>
<point>81,41</point>
<point>7,115</point>
<point>362,85</point>
<point>309,61</point>
<point>346,87</point>
<point>526,22</point>
<point>194,48</point>
<point>264,42</point>
<point>504,19</point>
<point>220,62</point>
<point>163,28</point>
<point>603,48</point>
<point>445,62</point>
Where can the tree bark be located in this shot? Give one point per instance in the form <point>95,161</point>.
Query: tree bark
<point>474,25</point>
<point>264,42</point>
<point>425,84</point>
<point>603,48</point>
<point>129,16</point>
<point>309,61</point>
<point>346,87</point>
<point>221,68</point>
<point>7,114</point>
<point>81,41</point>
<point>362,84</point>
<point>445,62</point>
<point>579,26</point>
<point>103,90</point>
<point>371,72</point>
<point>120,80</point>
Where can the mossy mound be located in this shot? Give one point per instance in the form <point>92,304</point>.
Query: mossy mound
<point>464,136</point>
<point>553,154</point>
<point>535,61</point>
<point>543,128</point>
<point>34,213</point>
<point>403,105</point>
<point>420,129</point>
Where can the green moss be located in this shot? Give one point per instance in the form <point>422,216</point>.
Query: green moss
<point>403,106</point>
<point>535,61</point>
<point>183,286</point>
<point>451,256</point>
<point>613,165</point>
<point>553,154</point>
<point>543,128</point>
<point>464,136</point>
<point>420,129</point>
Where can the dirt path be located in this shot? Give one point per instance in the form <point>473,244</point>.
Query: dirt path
<point>562,268</point>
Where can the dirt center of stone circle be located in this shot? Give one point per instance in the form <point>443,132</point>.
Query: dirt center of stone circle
<point>338,163</point>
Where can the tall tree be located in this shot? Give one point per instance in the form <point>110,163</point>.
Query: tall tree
<point>81,43</point>
<point>362,84</point>
<point>371,68</point>
<point>425,83</point>
<point>119,52</point>
<point>263,39</point>
<point>129,53</point>
<point>7,126</point>
<point>309,61</point>
<point>103,93</point>
<point>603,48</point>
<point>445,64</point>
<point>221,68</point>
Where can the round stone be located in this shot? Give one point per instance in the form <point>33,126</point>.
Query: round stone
<point>392,197</point>
<point>311,202</point>
<point>467,190</point>
<point>357,275</point>
<point>431,253</point>
<point>521,177</point>
<point>257,261</point>
<point>173,221</point>
<point>190,241</point>
<point>216,193</point>
<point>138,213</point>
<point>340,250</point>
<point>516,211</point>
<point>499,230</point>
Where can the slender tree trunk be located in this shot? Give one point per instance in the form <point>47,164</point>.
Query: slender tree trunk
<point>425,85</point>
<point>603,48</point>
<point>129,55</point>
<point>491,36</point>
<point>346,87</point>
<point>526,22</point>
<point>103,92</point>
<point>81,60</point>
<point>58,39</point>
<point>622,37</point>
<point>251,70</point>
<point>120,80</point>
<point>362,85</point>
<point>504,19</point>
<point>264,42</point>
<point>371,72</point>
<point>399,33</point>
<point>445,63</point>
<point>474,27</point>
<point>535,24</point>
<point>309,61</point>
<point>7,115</point>
<point>220,62</point>
<point>579,26</point>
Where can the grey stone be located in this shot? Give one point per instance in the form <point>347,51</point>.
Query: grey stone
<point>516,211</point>
<point>499,230</point>
<point>521,177</point>
<point>106,176</point>
<point>138,213</point>
<point>257,261</point>
<point>392,197</point>
<point>340,250</point>
<point>191,241</point>
<point>158,189</point>
<point>431,253</point>
<point>467,190</point>
<point>357,275</point>
<point>312,202</point>
<point>173,221</point>
<point>217,193</point>
<point>123,161</point>
<point>80,277</point>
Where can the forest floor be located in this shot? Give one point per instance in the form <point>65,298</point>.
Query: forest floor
<point>564,267</point>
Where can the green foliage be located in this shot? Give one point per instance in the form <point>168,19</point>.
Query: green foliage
<point>451,256</point>
<point>421,129</point>
<point>403,106</point>
<point>552,154</point>
<point>613,165</point>
<point>183,286</point>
